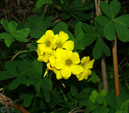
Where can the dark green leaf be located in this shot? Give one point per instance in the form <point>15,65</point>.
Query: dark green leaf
<point>39,3</point>
<point>61,26</point>
<point>101,109</point>
<point>27,99</point>
<point>8,40</point>
<point>14,84</point>
<point>109,31</point>
<point>73,90</point>
<point>115,7</point>
<point>111,100</point>
<point>47,84</point>
<point>97,51</point>
<point>4,75</point>
<point>78,29</point>
<point>105,8</point>
<point>102,20</point>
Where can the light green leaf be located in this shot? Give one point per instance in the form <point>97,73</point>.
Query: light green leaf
<point>109,31</point>
<point>105,8</point>
<point>21,35</point>
<point>93,96</point>
<point>78,29</point>
<point>12,26</point>
<point>115,8</point>
<point>102,20</point>
<point>8,40</point>
<point>5,24</point>
<point>105,48</point>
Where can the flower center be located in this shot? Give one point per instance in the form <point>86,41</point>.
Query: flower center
<point>68,62</point>
<point>59,45</point>
<point>48,44</point>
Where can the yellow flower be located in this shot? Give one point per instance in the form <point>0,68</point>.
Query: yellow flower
<point>87,64</point>
<point>67,64</point>
<point>42,57</point>
<point>63,42</point>
<point>47,42</point>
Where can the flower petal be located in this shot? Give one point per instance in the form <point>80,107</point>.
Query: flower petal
<point>66,54</point>
<point>80,76</point>
<point>86,73</point>
<point>59,64</point>
<point>63,36</point>
<point>76,69</point>
<point>75,58</point>
<point>58,75</point>
<point>69,45</point>
<point>65,72</point>
<point>89,64</point>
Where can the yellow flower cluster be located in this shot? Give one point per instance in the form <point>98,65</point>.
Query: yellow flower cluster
<point>56,51</point>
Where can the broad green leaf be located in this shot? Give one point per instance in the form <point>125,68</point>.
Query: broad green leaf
<point>115,8</point>
<point>11,67</point>
<point>122,32</point>
<point>101,109</point>
<point>102,20</point>
<point>93,96</point>
<point>111,100</point>
<point>8,40</point>
<point>89,39</point>
<point>47,84</point>
<point>12,26</point>
<point>4,75</point>
<point>78,29</point>
<point>38,67</point>
<point>123,20</point>
<point>94,78</point>
<point>97,50</point>
<point>89,29</point>
<point>73,90</point>
<point>61,26</point>
<point>14,84</point>
<point>21,35</point>
<point>5,24</point>
<point>27,99</point>
<point>105,48</point>
<point>79,45</point>
<point>46,95</point>
<point>39,3</point>
<point>99,100</point>
<point>109,31</point>
<point>81,95</point>
<point>105,8</point>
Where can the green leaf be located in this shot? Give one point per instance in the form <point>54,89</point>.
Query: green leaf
<point>78,29</point>
<point>4,75</point>
<point>14,84</point>
<point>11,67</point>
<point>89,39</point>
<point>93,96</point>
<point>122,32</point>
<point>12,26</point>
<point>97,50</point>
<point>73,90</point>
<point>46,94</point>
<point>21,35</point>
<point>39,3</point>
<point>89,29</point>
<point>94,78</point>
<point>111,100</point>
<point>47,84</point>
<point>101,109</point>
<point>102,20</point>
<point>115,8</point>
<point>105,8</point>
<point>61,26</point>
<point>5,24</point>
<point>8,38</point>
<point>109,31</point>
<point>27,99</point>
<point>123,20</point>
<point>38,67</point>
